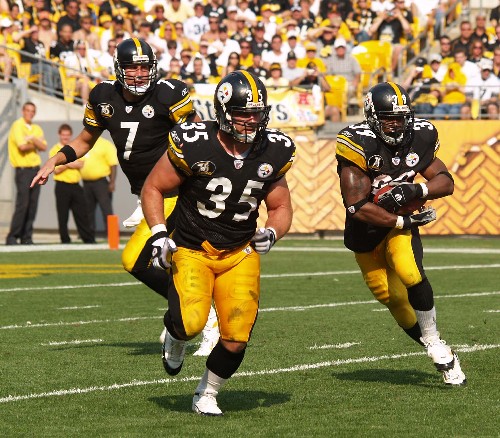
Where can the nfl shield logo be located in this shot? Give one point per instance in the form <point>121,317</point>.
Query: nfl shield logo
<point>238,164</point>
<point>128,109</point>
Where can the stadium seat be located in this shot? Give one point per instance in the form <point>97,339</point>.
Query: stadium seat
<point>337,96</point>
<point>68,85</point>
<point>383,49</point>
<point>371,70</point>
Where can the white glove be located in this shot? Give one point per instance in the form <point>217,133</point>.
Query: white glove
<point>417,219</point>
<point>135,218</point>
<point>163,247</point>
<point>263,240</point>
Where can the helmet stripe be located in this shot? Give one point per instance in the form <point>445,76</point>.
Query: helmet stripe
<point>398,92</point>
<point>253,85</point>
<point>138,46</point>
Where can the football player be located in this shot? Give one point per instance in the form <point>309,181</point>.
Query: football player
<point>138,110</point>
<point>390,148</point>
<point>223,170</point>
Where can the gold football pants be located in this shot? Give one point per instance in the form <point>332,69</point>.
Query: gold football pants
<point>393,266</point>
<point>138,240</point>
<point>231,279</point>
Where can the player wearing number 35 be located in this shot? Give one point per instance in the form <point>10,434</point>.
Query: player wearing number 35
<point>138,110</point>
<point>223,171</point>
<point>378,161</point>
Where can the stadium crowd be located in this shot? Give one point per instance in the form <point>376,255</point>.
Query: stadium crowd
<point>285,42</point>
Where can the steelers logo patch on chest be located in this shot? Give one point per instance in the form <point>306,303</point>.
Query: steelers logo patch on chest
<point>412,159</point>
<point>148,111</point>
<point>264,170</point>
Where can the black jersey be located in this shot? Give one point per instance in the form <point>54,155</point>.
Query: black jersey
<point>139,129</point>
<point>220,197</point>
<point>358,145</point>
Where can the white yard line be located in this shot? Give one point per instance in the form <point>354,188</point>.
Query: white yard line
<point>295,368</point>
<point>75,342</point>
<point>29,324</point>
<point>336,346</point>
<point>263,276</point>
<point>78,307</point>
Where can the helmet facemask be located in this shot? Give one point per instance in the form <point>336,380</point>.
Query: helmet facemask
<point>249,131</point>
<point>131,82</point>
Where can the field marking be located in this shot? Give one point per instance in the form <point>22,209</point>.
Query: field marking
<point>29,324</point>
<point>302,367</point>
<point>75,342</point>
<point>336,346</point>
<point>78,307</point>
<point>105,246</point>
<point>491,311</point>
<point>263,276</point>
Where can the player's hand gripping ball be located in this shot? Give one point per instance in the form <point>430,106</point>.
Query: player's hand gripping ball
<point>392,199</point>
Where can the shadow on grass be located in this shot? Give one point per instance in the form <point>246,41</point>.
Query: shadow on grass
<point>395,377</point>
<point>228,401</point>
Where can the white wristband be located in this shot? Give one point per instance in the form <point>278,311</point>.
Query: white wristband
<point>425,190</point>
<point>400,222</point>
<point>158,228</point>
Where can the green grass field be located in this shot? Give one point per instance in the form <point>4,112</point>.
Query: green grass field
<point>80,355</point>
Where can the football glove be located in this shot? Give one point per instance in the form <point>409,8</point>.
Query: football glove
<point>398,196</point>
<point>417,219</point>
<point>263,240</point>
<point>163,247</point>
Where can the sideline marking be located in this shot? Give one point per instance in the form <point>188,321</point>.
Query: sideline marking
<point>303,367</point>
<point>75,342</point>
<point>338,346</point>
<point>286,275</point>
<point>78,307</point>
<point>266,309</point>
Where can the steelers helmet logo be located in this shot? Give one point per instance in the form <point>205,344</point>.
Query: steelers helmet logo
<point>225,92</point>
<point>265,170</point>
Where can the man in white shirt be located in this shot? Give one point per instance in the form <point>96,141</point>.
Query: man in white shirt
<point>197,25</point>
<point>485,89</point>
<point>275,53</point>
<point>291,71</point>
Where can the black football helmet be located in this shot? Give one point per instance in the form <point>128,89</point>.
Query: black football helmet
<point>389,113</point>
<point>135,51</point>
<point>241,92</point>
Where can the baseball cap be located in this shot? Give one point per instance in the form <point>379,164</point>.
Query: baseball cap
<point>311,46</point>
<point>292,34</point>
<point>419,64</point>
<point>260,25</point>
<point>118,19</point>
<point>222,28</point>
<point>296,8</point>
<point>339,42</point>
<point>275,66</point>
<point>232,9</point>
<point>5,22</point>
<point>486,64</point>
<point>436,57</point>
<point>291,55</point>
<point>105,18</point>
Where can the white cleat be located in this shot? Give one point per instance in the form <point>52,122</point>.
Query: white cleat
<point>206,404</point>
<point>455,375</point>
<point>439,352</point>
<point>163,335</point>
<point>173,354</point>
<point>210,335</point>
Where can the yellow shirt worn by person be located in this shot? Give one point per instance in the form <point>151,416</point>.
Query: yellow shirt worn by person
<point>69,176</point>
<point>17,136</point>
<point>99,160</point>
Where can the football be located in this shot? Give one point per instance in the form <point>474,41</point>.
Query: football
<point>409,208</point>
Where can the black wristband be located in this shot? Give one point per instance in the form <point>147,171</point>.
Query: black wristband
<point>69,153</point>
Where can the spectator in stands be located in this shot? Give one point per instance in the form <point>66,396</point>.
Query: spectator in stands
<point>343,64</point>
<point>6,61</point>
<point>46,31</point>
<point>64,45</point>
<point>437,67</point>
<point>197,25</point>
<point>244,10</point>
<point>25,142</point>
<point>452,96</point>
<point>99,180</point>
<point>87,34</point>
<point>117,27</point>
<point>196,76</point>
<point>215,7</point>
<point>186,56</point>
<point>311,56</point>
<point>480,32</point>
<point>177,11</point>
<point>174,70</point>
<point>495,16</point>
<point>225,46</point>
<point>106,61</point>
<point>158,17</point>
<point>145,32</point>
<point>484,90</point>
<point>362,19</point>
<point>233,64</point>
<point>468,68</point>
<point>212,34</point>
<point>464,40</point>
<point>304,17</point>
<point>72,18</point>
<point>292,45</point>
<point>341,7</point>
<point>393,24</point>
<point>257,68</point>
<point>291,72</point>
<point>423,91</point>
<point>184,41</point>
<point>496,40</point>
<point>496,61</point>
<point>276,78</point>
<point>445,48</point>
<point>268,20</point>
<point>275,53</point>
<point>246,56</point>
<point>476,51</point>
<point>241,31</point>
<point>210,67</point>
<point>69,193</point>
<point>259,43</point>
<point>81,66</point>
<point>115,8</point>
